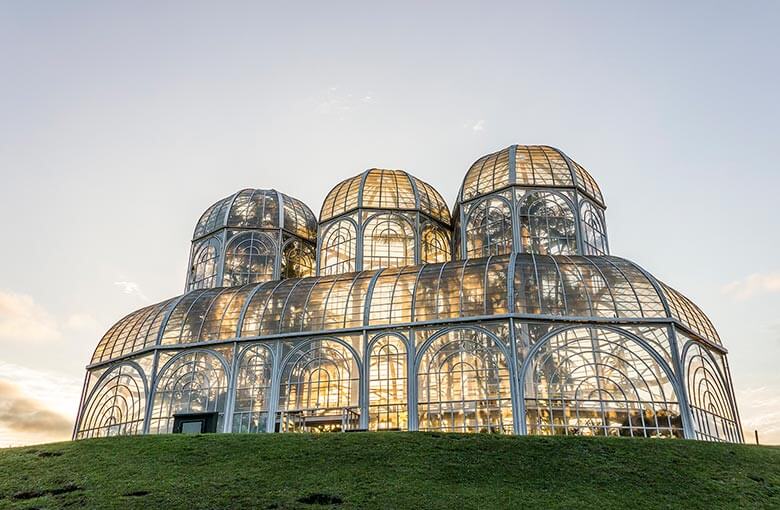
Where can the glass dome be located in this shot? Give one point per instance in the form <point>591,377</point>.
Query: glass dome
<point>382,218</point>
<point>258,209</point>
<point>529,199</point>
<point>378,188</point>
<point>252,235</point>
<point>527,165</point>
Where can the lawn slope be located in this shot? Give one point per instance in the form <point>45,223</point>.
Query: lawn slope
<point>388,470</point>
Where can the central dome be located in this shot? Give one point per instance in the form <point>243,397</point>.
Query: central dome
<point>378,188</point>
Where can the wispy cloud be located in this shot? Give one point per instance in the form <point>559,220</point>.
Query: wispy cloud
<point>753,285</point>
<point>478,126</point>
<point>133,289</point>
<point>759,408</point>
<point>21,318</point>
<point>338,102</point>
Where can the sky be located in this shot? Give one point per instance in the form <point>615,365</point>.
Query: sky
<point>120,123</point>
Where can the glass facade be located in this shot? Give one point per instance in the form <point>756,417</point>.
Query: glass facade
<point>370,321</point>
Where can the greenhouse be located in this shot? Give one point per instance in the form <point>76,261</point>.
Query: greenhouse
<point>507,316</point>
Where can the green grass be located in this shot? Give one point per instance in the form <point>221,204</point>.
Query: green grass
<point>388,470</point>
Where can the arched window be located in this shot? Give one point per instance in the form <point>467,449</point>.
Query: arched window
<point>434,245</point>
<point>388,241</point>
<point>337,252</point>
<point>387,385</point>
<point>193,383</point>
<point>489,229</point>
<point>710,399</point>
<point>596,382</point>
<point>116,407</point>
<point>250,257</point>
<point>547,225</point>
<point>253,388</point>
<point>203,273</point>
<point>464,385</point>
<point>319,389</point>
<point>297,259</point>
<point>594,234</point>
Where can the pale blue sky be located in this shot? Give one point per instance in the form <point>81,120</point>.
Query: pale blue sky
<point>120,124</point>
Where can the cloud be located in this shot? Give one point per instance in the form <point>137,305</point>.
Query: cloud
<point>22,318</point>
<point>760,410</point>
<point>339,103</point>
<point>36,406</point>
<point>132,289</point>
<point>479,126</point>
<point>19,412</point>
<point>753,285</point>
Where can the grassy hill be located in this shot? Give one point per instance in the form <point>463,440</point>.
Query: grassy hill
<point>388,470</point>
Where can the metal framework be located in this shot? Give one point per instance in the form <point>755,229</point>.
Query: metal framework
<point>533,329</point>
<point>379,219</point>
<point>253,235</point>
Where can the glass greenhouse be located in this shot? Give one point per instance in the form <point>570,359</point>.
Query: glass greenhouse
<point>508,316</point>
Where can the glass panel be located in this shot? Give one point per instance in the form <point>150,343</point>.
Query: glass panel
<point>193,383</point>
<point>117,406</point>
<point>203,270</point>
<point>338,249</point>
<point>594,234</point>
<point>387,385</point>
<point>712,404</point>
<point>255,208</point>
<point>388,241</point>
<point>591,381</point>
<point>547,225</point>
<point>434,244</point>
<point>464,385</point>
<point>250,257</point>
<point>319,389</point>
<point>253,388</point>
<point>489,229</point>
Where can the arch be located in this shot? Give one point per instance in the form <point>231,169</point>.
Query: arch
<point>116,405</point>
<point>250,257</point>
<point>434,244</point>
<point>190,382</point>
<point>464,383</point>
<point>488,228</point>
<point>586,380</point>
<point>712,405</point>
<point>253,382</point>
<point>547,226</point>
<point>594,234</point>
<point>387,383</point>
<point>338,251</point>
<point>319,387</point>
<point>388,241</point>
<point>203,270</point>
<point>298,259</point>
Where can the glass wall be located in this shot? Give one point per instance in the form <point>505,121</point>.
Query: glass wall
<point>599,382</point>
<point>464,384</point>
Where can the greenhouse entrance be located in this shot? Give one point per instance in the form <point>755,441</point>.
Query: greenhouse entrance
<point>344,419</point>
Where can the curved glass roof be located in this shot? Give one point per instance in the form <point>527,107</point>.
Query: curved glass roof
<point>259,208</point>
<point>377,188</point>
<point>527,285</point>
<point>527,165</point>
